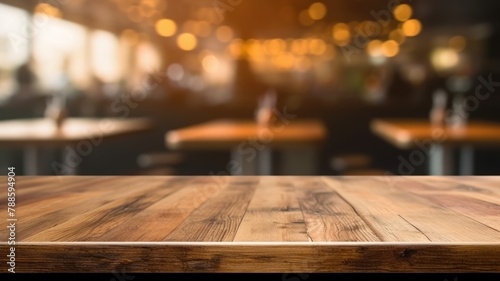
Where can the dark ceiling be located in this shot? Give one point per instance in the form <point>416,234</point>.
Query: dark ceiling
<point>277,17</point>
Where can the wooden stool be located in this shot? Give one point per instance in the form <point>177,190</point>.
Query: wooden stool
<point>346,162</point>
<point>159,163</point>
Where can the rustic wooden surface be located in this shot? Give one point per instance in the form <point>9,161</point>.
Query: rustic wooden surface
<point>224,134</point>
<point>256,224</point>
<point>406,133</point>
<point>42,131</point>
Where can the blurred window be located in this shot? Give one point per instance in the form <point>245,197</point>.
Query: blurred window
<point>59,53</point>
<point>105,56</point>
<point>13,46</point>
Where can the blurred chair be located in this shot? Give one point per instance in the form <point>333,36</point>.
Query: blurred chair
<point>354,164</point>
<point>160,163</point>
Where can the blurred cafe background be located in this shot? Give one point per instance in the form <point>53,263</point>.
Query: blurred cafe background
<point>342,66</point>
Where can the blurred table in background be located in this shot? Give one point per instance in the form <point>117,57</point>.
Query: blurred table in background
<point>251,145</point>
<point>438,142</point>
<point>84,133</point>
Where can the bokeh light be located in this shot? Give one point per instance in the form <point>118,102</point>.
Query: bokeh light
<point>403,12</point>
<point>187,41</point>
<point>317,11</point>
<point>390,48</point>
<point>444,58</point>
<point>411,27</point>
<point>166,27</point>
<point>374,48</point>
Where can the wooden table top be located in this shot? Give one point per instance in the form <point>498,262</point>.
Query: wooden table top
<point>225,134</point>
<point>42,131</point>
<point>256,224</point>
<point>406,133</point>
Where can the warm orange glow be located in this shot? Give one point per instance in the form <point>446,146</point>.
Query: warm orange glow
<point>412,27</point>
<point>49,10</point>
<point>275,46</point>
<point>299,47</point>
<point>374,48</point>
<point>236,48</point>
<point>317,11</point>
<point>317,47</point>
<point>224,33</point>
<point>403,12</point>
<point>166,27</point>
<point>284,61</point>
<point>254,48</point>
<point>390,48</point>
<point>341,34</point>
<point>187,41</point>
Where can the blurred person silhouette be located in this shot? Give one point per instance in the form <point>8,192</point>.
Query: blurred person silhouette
<point>26,80</point>
<point>28,96</point>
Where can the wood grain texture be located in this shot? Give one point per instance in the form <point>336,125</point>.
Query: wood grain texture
<point>328,216</point>
<point>104,216</point>
<point>468,200</point>
<point>269,258</point>
<point>256,224</point>
<point>436,222</point>
<point>218,220</point>
<point>274,214</point>
<point>168,213</point>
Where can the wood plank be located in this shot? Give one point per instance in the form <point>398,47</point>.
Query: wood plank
<point>91,223</point>
<point>488,184</point>
<point>431,224</point>
<point>160,219</point>
<point>219,218</point>
<point>463,185</point>
<point>49,212</point>
<point>52,187</point>
<point>37,187</point>
<point>274,213</point>
<point>328,216</point>
<point>388,225</point>
<point>481,209</point>
<point>258,258</point>
<point>445,226</point>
